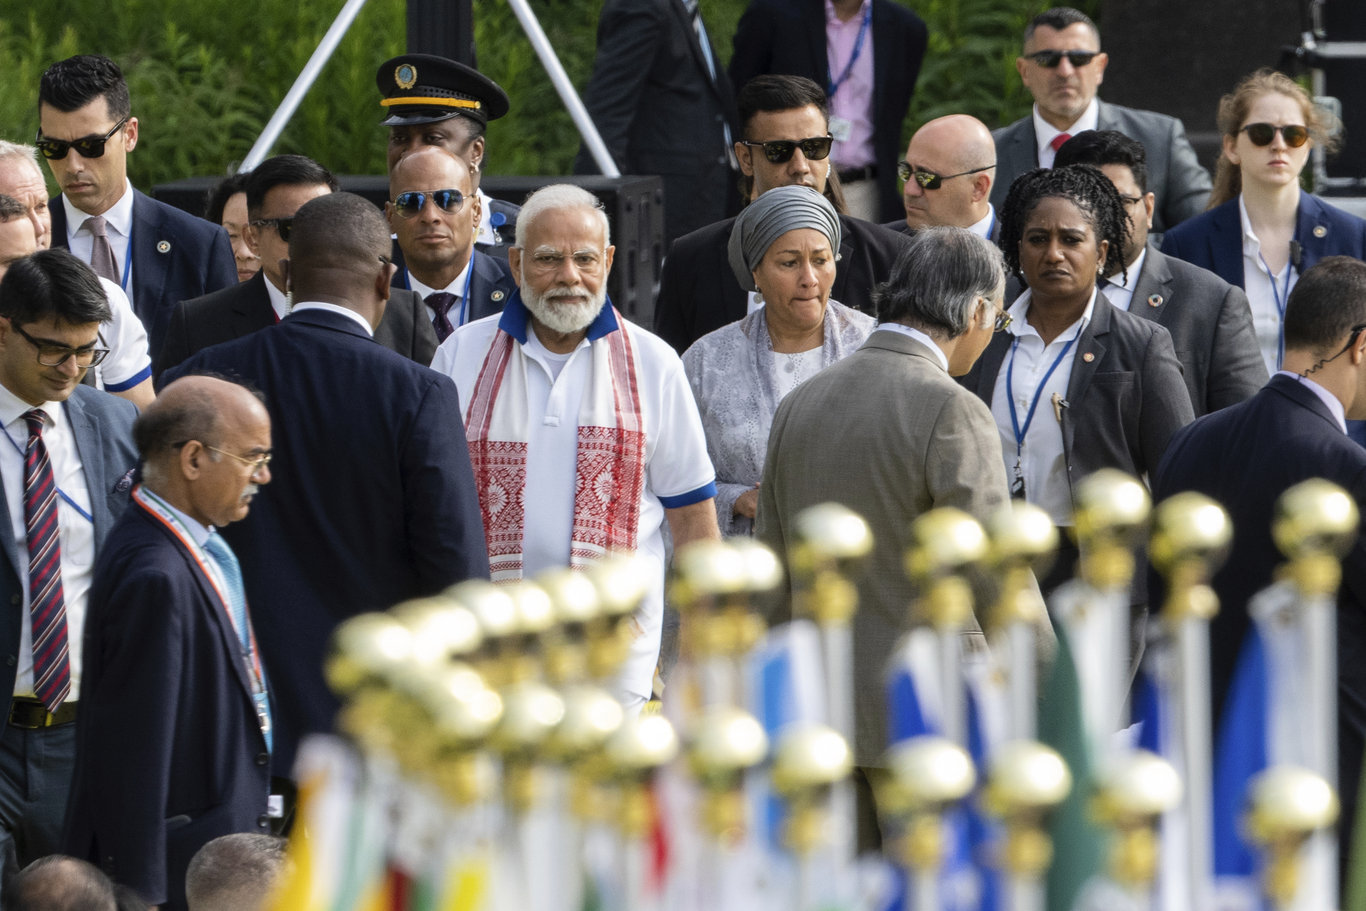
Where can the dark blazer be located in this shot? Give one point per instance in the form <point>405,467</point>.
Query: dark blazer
<point>169,753</point>
<point>788,37</point>
<point>1210,322</point>
<point>1245,457</point>
<point>244,308</point>
<point>659,110</point>
<point>490,285</point>
<point>1123,405</point>
<point>901,227</point>
<point>372,500</point>
<point>176,256</point>
<point>698,291</point>
<point>102,425</point>
<point>1174,174</point>
<point>1214,240</point>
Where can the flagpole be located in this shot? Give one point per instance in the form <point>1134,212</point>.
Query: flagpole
<point>1025,782</point>
<point>926,776</point>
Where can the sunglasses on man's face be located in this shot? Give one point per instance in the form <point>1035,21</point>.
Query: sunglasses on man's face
<point>928,180</point>
<point>410,204</point>
<point>86,146</point>
<point>780,150</point>
<point>1050,59</point>
<point>282,225</point>
<point>1262,134</point>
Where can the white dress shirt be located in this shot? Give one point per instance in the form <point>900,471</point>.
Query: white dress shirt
<point>118,227</point>
<point>456,287</point>
<point>920,337</point>
<point>341,311</point>
<point>1263,289</point>
<point>1045,131</point>
<point>1120,288</point>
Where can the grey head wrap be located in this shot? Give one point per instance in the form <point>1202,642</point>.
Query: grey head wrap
<point>768,218</point>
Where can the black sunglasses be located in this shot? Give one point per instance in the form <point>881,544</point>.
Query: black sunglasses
<point>410,204</point>
<point>1262,134</point>
<point>929,180</point>
<point>282,225</point>
<point>1050,59</point>
<point>780,150</point>
<point>88,146</point>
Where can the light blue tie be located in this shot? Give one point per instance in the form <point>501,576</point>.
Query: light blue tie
<point>231,571</point>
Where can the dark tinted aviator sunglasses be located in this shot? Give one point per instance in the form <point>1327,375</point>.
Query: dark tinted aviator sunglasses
<point>281,225</point>
<point>1050,59</point>
<point>87,146</point>
<point>1262,134</point>
<point>780,150</point>
<point>929,180</point>
<point>410,204</point>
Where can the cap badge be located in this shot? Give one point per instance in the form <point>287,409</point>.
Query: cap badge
<point>405,74</point>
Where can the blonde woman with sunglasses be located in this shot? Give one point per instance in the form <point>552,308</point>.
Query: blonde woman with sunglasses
<point>1262,231</point>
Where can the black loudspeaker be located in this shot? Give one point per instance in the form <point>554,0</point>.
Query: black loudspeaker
<point>1344,78</point>
<point>635,211</point>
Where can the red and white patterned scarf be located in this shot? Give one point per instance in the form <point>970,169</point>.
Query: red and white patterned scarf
<point>610,470</point>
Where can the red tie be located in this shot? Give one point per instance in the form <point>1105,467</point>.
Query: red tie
<point>47,608</point>
<point>1058,140</point>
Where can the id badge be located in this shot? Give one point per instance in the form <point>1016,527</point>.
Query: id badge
<point>841,128</point>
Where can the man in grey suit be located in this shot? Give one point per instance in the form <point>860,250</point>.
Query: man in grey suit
<point>66,469</point>
<point>1210,320</point>
<point>921,442</point>
<point>1063,66</point>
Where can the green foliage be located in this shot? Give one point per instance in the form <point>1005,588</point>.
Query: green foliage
<point>206,77</point>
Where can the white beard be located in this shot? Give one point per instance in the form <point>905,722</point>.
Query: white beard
<point>563,316</point>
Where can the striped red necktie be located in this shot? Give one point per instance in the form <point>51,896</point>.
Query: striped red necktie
<point>47,608</point>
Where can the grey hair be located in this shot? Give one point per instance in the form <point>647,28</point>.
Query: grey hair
<point>559,196</point>
<point>937,280</point>
<point>20,152</point>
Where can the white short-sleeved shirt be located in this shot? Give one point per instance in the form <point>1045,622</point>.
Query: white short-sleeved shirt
<point>128,362</point>
<point>677,469</point>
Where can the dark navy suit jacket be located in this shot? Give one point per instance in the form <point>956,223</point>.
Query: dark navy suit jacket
<point>1214,239</point>
<point>491,285</point>
<point>169,751</point>
<point>1245,457</point>
<point>176,256</point>
<point>102,425</point>
<point>372,500</point>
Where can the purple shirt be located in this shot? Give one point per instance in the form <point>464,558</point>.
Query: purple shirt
<point>853,99</point>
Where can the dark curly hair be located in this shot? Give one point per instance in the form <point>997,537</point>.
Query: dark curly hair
<point>1083,186</point>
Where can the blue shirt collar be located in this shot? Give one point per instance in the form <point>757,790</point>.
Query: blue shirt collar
<point>516,318</point>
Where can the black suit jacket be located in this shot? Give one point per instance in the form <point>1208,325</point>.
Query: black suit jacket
<point>1245,457</point>
<point>1174,173</point>
<point>169,753</point>
<point>244,308</point>
<point>660,112</point>
<point>788,37</point>
<point>176,256</point>
<point>491,285</point>
<point>372,499</point>
<point>698,291</point>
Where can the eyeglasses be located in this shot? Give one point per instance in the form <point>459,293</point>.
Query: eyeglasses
<point>1261,134</point>
<point>1003,321</point>
<point>87,146</point>
<point>929,180</point>
<point>778,151</point>
<point>282,225</point>
<point>51,354</point>
<point>1050,59</point>
<point>549,263</point>
<point>256,464</point>
<point>410,204</point>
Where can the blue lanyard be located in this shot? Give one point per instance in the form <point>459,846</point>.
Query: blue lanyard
<point>127,266</point>
<point>464,298</point>
<point>61,493</point>
<point>1281,298</point>
<point>1038,391</point>
<point>834,86</point>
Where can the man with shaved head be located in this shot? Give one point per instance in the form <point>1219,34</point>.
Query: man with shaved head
<point>373,501</point>
<point>947,175</point>
<point>435,213</point>
<point>173,748</point>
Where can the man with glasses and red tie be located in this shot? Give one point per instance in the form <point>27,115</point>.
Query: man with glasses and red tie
<point>157,253</point>
<point>785,140</point>
<point>1063,66</point>
<point>66,465</point>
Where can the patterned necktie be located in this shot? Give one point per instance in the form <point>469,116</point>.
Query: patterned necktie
<point>1058,140</point>
<point>101,254</point>
<point>231,570</point>
<point>47,608</point>
<point>441,303</point>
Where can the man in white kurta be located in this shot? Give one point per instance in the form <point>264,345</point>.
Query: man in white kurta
<point>583,432</point>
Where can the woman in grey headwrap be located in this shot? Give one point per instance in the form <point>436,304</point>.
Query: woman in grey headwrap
<point>783,246</point>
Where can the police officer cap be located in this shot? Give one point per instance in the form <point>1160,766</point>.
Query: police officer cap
<point>423,88</point>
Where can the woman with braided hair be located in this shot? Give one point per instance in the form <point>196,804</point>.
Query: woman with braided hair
<point>1075,384</point>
